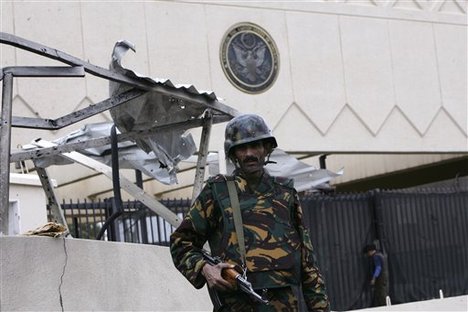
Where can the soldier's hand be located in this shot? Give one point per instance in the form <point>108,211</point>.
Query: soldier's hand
<point>372,282</point>
<point>212,274</point>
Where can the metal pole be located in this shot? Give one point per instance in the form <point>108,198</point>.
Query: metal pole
<point>52,202</point>
<point>202,155</point>
<point>322,160</point>
<point>144,227</point>
<point>222,163</point>
<point>5,148</point>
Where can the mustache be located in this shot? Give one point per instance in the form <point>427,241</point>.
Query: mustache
<point>250,158</point>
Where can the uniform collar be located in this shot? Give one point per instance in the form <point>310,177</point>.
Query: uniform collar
<point>265,184</point>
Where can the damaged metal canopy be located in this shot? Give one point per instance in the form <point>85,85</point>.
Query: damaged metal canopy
<point>153,113</point>
<point>130,155</point>
<point>168,145</point>
<point>156,109</point>
<point>185,97</point>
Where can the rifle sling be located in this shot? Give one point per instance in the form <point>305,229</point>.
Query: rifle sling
<point>231,185</point>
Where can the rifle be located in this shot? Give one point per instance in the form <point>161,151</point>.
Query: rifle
<point>233,277</point>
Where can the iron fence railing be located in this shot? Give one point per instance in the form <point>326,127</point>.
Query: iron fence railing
<point>137,224</point>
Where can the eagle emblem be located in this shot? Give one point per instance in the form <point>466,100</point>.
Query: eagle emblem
<point>249,58</point>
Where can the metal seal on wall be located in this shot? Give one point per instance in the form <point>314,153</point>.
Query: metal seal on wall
<point>249,58</point>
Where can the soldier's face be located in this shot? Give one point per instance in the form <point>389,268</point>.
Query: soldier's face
<point>251,157</point>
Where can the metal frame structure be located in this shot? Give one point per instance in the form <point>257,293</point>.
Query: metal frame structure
<point>214,112</point>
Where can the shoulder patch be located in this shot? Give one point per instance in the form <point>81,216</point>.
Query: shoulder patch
<point>287,182</point>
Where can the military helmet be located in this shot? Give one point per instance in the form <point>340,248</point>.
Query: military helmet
<point>245,129</point>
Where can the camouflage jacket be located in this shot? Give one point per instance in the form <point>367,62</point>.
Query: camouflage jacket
<point>278,248</point>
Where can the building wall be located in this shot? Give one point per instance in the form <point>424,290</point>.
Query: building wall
<point>53,274</point>
<point>355,76</point>
<point>27,203</point>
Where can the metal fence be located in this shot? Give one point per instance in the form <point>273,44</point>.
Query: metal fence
<point>137,223</point>
<point>340,225</point>
<point>422,234</point>
<point>425,236</point>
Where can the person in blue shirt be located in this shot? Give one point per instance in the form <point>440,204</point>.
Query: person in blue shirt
<point>378,280</point>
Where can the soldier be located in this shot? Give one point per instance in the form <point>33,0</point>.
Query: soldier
<point>277,253</point>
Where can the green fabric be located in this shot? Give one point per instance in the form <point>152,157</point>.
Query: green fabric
<point>237,219</point>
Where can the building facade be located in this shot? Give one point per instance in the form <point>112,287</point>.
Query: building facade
<point>379,87</point>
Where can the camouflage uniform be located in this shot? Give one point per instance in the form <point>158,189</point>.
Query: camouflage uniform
<point>279,252</point>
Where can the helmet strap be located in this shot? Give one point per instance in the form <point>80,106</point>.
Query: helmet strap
<point>268,161</point>
<point>235,161</point>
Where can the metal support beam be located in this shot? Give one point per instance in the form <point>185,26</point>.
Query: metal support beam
<point>5,146</point>
<point>97,71</point>
<point>46,71</point>
<point>322,161</point>
<point>55,209</point>
<point>90,143</point>
<point>215,111</point>
<point>202,155</point>
<point>69,119</point>
<point>125,184</point>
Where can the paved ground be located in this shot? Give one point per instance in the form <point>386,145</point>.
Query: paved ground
<point>447,304</point>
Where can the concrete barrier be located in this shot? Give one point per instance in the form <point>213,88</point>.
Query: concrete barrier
<point>57,274</point>
<point>459,303</point>
<point>54,274</point>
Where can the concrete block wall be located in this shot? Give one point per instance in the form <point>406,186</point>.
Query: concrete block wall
<point>57,274</point>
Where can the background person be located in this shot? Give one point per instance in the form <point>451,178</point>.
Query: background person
<point>378,280</point>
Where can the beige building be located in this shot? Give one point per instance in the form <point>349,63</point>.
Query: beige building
<point>378,86</point>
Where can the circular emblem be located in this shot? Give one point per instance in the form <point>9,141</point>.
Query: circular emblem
<point>249,58</point>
